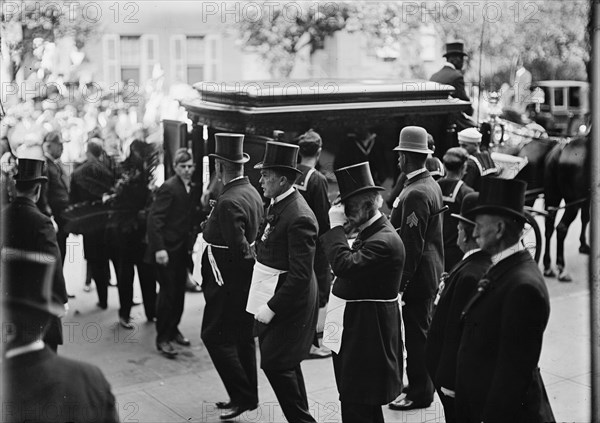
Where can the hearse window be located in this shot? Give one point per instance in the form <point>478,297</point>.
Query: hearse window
<point>575,97</point>
<point>559,99</point>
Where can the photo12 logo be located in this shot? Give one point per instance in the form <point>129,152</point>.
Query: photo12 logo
<point>88,11</point>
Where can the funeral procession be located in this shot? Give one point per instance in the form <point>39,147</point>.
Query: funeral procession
<point>300,211</point>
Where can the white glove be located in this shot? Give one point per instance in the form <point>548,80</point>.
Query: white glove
<point>337,215</point>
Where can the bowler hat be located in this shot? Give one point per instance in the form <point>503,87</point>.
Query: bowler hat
<point>468,203</point>
<point>355,179</point>
<point>279,155</point>
<point>30,170</point>
<point>413,139</point>
<point>229,148</point>
<point>471,135</point>
<point>501,196</point>
<point>455,47</point>
<point>26,278</point>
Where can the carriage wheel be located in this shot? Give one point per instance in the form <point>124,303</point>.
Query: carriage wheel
<point>532,237</point>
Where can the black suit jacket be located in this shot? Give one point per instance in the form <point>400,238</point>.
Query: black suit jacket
<point>55,193</point>
<point>25,227</point>
<point>444,332</point>
<point>368,367</point>
<point>497,374</point>
<point>289,245</point>
<point>44,387</point>
<point>451,76</point>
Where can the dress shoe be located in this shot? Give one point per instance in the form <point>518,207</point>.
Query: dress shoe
<point>182,340</point>
<point>319,352</point>
<point>222,405</point>
<point>102,306</point>
<point>125,322</point>
<point>406,404</point>
<point>234,411</point>
<point>166,349</point>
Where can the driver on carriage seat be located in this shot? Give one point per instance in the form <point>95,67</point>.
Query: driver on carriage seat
<point>479,164</point>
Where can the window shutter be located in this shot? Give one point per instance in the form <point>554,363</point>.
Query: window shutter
<point>149,55</point>
<point>111,58</point>
<point>213,57</point>
<point>178,58</point>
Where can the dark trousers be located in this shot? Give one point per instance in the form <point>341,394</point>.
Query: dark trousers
<point>236,364</point>
<point>323,274</point>
<point>416,314</point>
<point>361,413</point>
<point>61,238</point>
<point>449,408</point>
<point>291,393</point>
<point>169,305</point>
<point>100,272</point>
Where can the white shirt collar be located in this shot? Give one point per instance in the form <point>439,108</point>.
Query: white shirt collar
<point>34,346</point>
<point>513,249</point>
<point>370,221</point>
<point>471,252</point>
<point>415,173</point>
<point>282,196</point>
<point>235,179</point>
<point>449,65</point>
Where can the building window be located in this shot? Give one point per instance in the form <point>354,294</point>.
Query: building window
<point>196,51</point>
<point>131,58</point>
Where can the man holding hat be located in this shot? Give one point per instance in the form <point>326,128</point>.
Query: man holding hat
<point>479,163</point>
<point>454,293</point>
<point>227,263</point>
<point>417,216</point>
<point>451,71</point>
<point>497,375</point>
<point>286,309</point>
<point>38,385</point>
<point>25,227</point>
<point>364,313</point>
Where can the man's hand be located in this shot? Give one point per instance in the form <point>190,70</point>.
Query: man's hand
<point>162,257</point>
<point>337,216</point>
<point>264,315</point>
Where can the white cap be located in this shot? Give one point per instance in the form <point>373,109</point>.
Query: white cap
<point>469,135</point>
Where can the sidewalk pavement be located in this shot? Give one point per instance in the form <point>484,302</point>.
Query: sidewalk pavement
<point>151,388</point>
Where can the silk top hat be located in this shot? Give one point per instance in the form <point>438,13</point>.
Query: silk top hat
<point>468,203</point>
<point>471,135</point>
<point>279,155</point>
<point>26,278</point>
<point>501,197</point>
<point>455,47</point>
<point>229,147</point>
<point>413,139</point>
<point>30,170</point>
<point>355,179</point>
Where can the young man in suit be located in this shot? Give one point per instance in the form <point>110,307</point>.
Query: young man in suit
<point>416,215</point>
<point>497,374</point>
<point>285,251</point>
<point>366,359</point>
<point>38,385</point>
<point>168,230</point>
<point>227,263</point>
<point>454,293</point>
<point>25,227</point>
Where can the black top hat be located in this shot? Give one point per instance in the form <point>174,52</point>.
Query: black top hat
<point>229,148</point>
<point>30,170</point>
<point>355,179</point>
<point>468,203</point>
<point>455,47</point>
<point>501,196</point>
<point>27,278</point>
<point>279,155</point>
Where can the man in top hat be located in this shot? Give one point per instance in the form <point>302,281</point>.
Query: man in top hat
<point>454,293</point>
<point>313,186</point>
<point>479,164</point>
<point>366,359</point>
<point>454,191</point>
<point>38,385</point>
<point>25,227</point>
<point>284,266</point>
<point>227,263</point>
<point>417,216</point>
<point>451,71</point>
<point>497,374</point>
<point>169,234</point>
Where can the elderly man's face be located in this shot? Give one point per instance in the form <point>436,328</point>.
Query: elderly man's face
<point>488,232</point>
<point>271,183</point>
<point>356,214</point>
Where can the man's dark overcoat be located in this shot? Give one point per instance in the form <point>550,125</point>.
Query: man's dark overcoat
<point>368,367</point>
<point>449,75</point>
<point>234,223</point>
<point>25,227</point>
<point>497,375</point>
<point>289,245</point>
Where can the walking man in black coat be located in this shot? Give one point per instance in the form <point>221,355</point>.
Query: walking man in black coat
<point>283,295</point>
<point>497,374</point>
<point>364,311</point>
<point>25,227</point>
<point>227,263</point>
<point>416,214</point>
<point>454,293</point>
<point>168,229</point>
